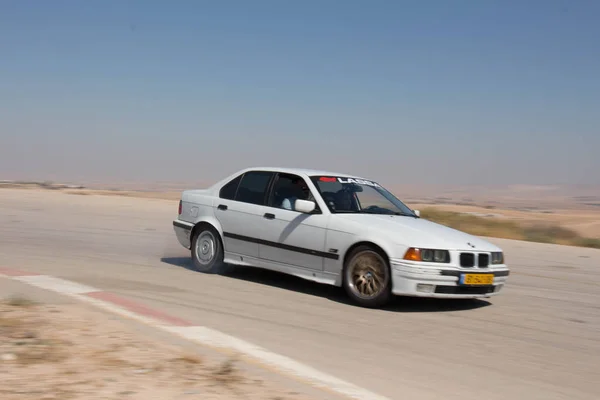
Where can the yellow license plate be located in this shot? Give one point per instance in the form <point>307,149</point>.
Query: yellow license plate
<point>477,279</point>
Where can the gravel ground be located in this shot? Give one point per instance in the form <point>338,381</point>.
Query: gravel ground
<point>70,352</point>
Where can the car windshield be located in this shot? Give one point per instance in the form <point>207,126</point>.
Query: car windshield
<point>353,195</point>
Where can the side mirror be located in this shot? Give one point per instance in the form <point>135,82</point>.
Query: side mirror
<point>304,206</point>
<point>417,213</point>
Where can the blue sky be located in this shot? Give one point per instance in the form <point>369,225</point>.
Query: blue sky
<point>452,92</point>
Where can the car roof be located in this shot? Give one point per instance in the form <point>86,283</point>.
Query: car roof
<point>300,171</point>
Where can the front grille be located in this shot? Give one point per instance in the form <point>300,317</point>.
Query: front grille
<point>467,259</point>
<point>483,260</point>
<point>464,289</point>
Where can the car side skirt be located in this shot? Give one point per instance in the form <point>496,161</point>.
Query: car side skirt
<point>308,274</point>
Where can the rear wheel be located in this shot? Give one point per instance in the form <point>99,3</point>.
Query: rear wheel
<point>207,250</point>
<point>367,277</point>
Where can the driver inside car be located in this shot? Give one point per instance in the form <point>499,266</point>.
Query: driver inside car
<point>299,191</point>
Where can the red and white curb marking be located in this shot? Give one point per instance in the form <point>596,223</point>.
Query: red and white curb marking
<point>185,329</point>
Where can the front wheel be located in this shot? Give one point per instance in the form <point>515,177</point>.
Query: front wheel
<point>367,277</point>
<point>207,250</point>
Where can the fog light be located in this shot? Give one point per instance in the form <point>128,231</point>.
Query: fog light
<point>497,288</point>
<point>425,288</point>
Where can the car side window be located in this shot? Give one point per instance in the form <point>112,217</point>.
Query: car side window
<point>287,189</point>
<point>253,187</point>
<point>229,189</point>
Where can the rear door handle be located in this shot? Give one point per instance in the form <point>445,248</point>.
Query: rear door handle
<point>269,216</point>
<point>222,207</point>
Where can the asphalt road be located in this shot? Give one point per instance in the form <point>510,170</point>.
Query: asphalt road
<point>540,339</point>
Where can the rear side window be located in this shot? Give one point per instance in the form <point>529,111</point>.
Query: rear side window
<point>228,191</point>
<point>253,187</point>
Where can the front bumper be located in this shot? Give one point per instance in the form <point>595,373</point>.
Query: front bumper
<point>411,279</point>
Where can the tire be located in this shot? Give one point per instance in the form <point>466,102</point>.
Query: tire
<point>373,276</point>
<point>207,250</point>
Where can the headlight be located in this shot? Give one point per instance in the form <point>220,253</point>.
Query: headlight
<point>497,257</point>
<point>427,255</point>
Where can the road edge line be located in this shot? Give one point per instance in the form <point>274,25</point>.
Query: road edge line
<point>198,334</point>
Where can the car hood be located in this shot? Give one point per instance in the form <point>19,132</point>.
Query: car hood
<point>419,232</point>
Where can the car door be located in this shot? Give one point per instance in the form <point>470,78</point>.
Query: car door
<point>290,237</point>
<point>240,210</point>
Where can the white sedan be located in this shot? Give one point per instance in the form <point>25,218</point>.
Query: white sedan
<point>336,229</point>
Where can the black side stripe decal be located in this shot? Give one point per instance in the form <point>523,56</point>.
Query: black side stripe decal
<point>281,246</point>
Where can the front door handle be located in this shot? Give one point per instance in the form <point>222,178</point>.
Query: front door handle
<point>222,207</point>
<point>269,216</point>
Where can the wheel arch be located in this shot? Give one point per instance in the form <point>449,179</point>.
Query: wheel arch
<point>359,243</point>
<point>213,222</point>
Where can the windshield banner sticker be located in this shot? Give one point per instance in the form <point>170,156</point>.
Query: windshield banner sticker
<point>327,179</point>
<point>358,181</point>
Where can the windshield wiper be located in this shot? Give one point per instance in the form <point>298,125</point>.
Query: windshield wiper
<point>385,211</point>
<point>404,214</point>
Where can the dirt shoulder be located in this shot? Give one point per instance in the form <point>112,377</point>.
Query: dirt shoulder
<point>68,351</point>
